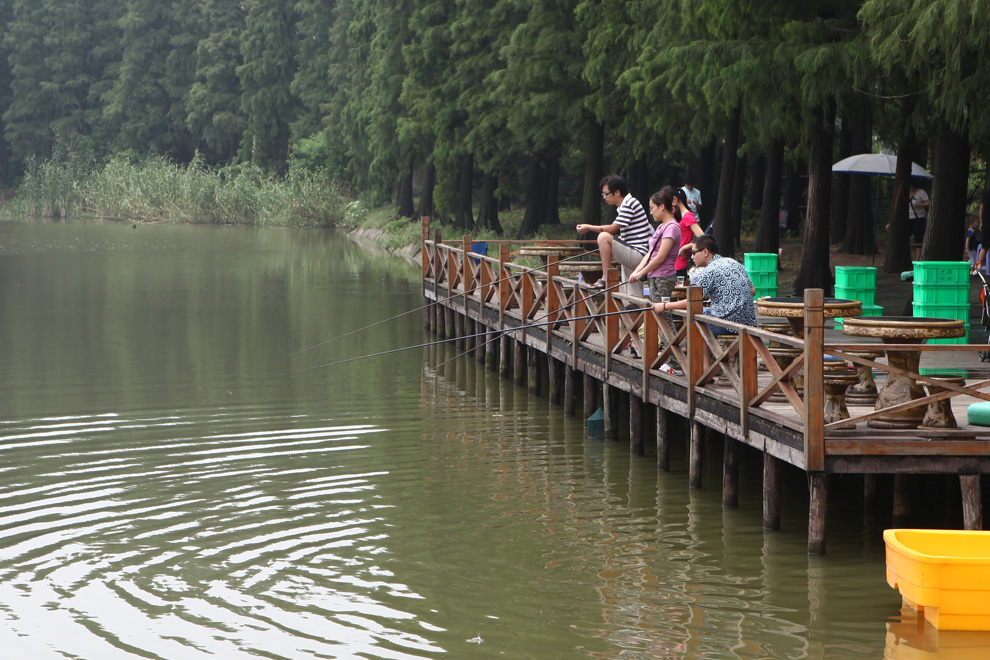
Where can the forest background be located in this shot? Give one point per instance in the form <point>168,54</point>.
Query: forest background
<point>266,110</point>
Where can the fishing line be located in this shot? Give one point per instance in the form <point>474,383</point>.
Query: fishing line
<point>506,331</point>
<point>481,334</point>
<point>435,302</point>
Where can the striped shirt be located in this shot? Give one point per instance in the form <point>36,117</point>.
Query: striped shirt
<point>634,229</point>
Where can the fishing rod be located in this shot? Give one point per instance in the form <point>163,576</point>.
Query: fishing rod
<point>533,324</point>
<point>435,302</point>
<point>508,330</point>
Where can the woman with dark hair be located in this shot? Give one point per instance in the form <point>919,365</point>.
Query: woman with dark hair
<point>657,265</point>
<point>690,229</point>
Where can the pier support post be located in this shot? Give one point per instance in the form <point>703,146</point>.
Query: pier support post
<point>871,492</point>
<point>451,324</point>
<point>902,501</point>
<point>491,353</point>
<point>663,440</point>
<point>610,407</point>
<point>730,474</point>
<point>505,357</point>
<point>636,447</point>
<point>431,317</point>
<point>519,364</point>
<point>570,398</point>
<point>771,492</point>
<point>533,370</point>
<point>440,316</point>
<point>817,510</point>
<point>555,372</point>
<point>694,455</point>
<point>590,398</point>
<point>972,501</point>
<point>459,322</point>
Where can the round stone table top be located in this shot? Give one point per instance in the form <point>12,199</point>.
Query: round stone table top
<point>550,251</point>
<point>904,327</point>
<point>793,307</point>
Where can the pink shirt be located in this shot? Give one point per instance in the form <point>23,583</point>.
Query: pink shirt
<point>667,230</point>
<point>687,236</point>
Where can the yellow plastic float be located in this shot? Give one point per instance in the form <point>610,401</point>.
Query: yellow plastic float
<point>943,573</point>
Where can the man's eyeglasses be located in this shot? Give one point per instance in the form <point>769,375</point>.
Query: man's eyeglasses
<point>606,194</point>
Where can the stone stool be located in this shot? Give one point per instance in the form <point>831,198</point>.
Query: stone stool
<point>939,414</point>
<point>865,391</point>
<point>835,383</point>
<point>779,326</point>
<point>725,341</point>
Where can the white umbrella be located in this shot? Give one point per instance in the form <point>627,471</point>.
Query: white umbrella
<point>878,164</point>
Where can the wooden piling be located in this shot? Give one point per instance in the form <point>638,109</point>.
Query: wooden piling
<point>534,371</point>
<point>730,474</point>
<point>663,440</point>
<point>519,364</point>
<point>570,397</point>
<point>505,360</point>
<point>590,395</point>
<point>694,455</point>
<point>636,447</point>
<point>771,492</point>
<point>902,501</point>
<point>972,501</point>
<point>817,510</point>
<point>610,407</point>
<point>555,380</point>
<point>491,353</point>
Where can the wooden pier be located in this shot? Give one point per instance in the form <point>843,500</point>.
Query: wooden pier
<point>544,325</point>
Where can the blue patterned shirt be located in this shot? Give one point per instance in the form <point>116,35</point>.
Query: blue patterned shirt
<point>725,282</point>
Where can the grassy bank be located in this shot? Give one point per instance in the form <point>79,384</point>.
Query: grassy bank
<point>158,190</point>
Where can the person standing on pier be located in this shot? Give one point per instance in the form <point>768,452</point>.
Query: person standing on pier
<point>633,229</point>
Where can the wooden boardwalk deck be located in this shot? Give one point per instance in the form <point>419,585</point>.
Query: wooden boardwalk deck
<point>541,325</point>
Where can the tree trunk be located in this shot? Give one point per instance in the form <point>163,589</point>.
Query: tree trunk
<point>814,272</point>
<point>946,225</point>
<point>723,207</point>
<point>551,215</point>
<point>407,208</point>
<point>706,181</point>
<point>861,225</point>
<point>488,208</point>
<point>757,181</point>
<point>536,198</point>
<point>639,182</point>
<point>594,166</point>
<point>464,215</point>
<point>738,190</point>
<point>792,195</point>
<point>841,190</point>
<point>768,236</point>
<point>426,197</point>
<point>898,256</point>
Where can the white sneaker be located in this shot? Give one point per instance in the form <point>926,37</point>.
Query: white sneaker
<point>668,369</point>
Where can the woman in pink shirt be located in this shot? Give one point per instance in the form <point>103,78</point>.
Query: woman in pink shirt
<point>657,265</point>
<point>690,229</point>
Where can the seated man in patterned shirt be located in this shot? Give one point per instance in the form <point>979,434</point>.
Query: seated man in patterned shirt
<point>725,283</point>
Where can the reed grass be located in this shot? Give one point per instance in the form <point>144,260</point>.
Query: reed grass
<point>159,190</point>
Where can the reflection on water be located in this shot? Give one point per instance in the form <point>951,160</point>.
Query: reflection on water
<point>166,491</point>
<point>910,637</point>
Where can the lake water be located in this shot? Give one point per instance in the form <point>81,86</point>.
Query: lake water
<point>182,475</point>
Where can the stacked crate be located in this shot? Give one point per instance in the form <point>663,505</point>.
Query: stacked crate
<point>941,290</point>
<point>762,271</point>
<point>858,283</point>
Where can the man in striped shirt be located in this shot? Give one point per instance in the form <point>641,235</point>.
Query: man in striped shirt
<point>631,225</point>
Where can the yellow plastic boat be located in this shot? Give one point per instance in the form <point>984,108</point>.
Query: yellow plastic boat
<point>943,573</point>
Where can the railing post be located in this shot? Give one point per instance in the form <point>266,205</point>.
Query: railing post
<point>814,385</point>
<point>747,377</point>
<point>553,300</point>
<point>467,278</point>
<point>695,344</point>
<point>425,236</point>
<point>611,322</point>
<point>504,287</point>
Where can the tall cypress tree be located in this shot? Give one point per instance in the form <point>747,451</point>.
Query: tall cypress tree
<point>311,85</point>
<point>28,116</point>
<point>213,105</point>
<point>267,102</point>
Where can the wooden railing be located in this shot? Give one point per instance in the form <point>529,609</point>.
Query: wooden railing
<point>605,322</point>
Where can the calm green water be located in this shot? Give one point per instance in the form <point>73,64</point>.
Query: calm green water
<point>169,490</point>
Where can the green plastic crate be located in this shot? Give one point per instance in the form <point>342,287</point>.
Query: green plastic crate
<point>865,296</point>
<point>764,280</point>
<point>942,294</point>
<point>941,272</point>
<point>939,311</point>
<point>759,262</point>
<point>855,277</point>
